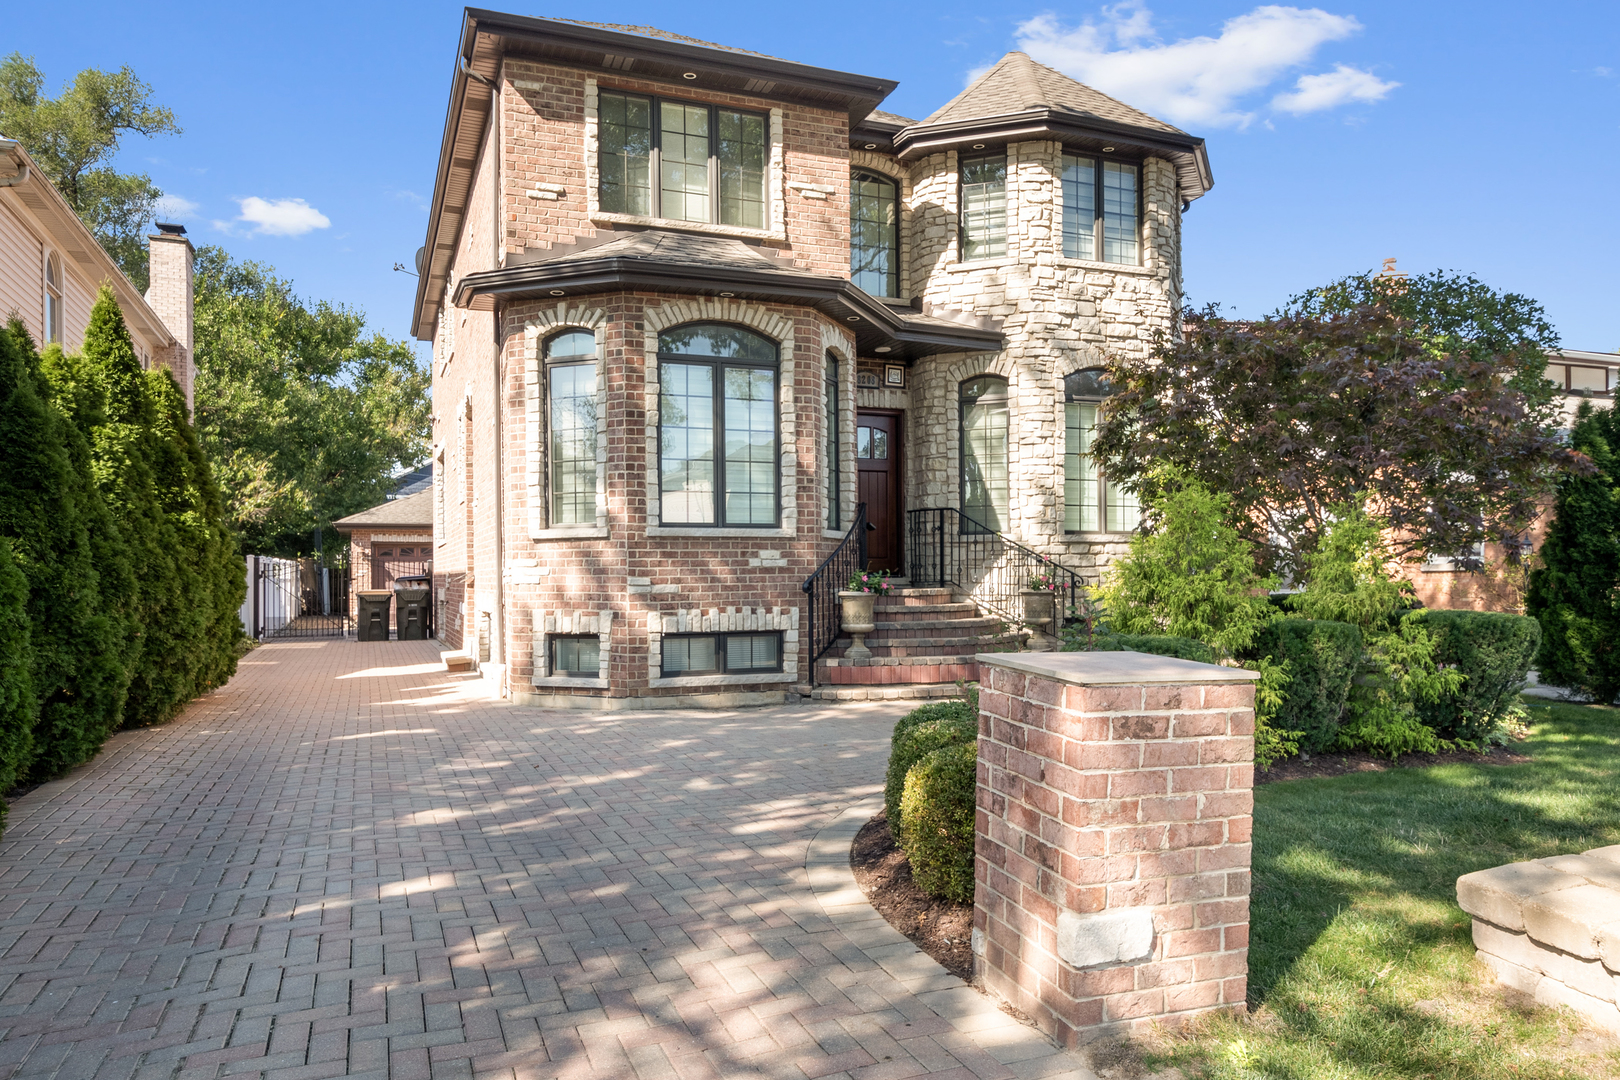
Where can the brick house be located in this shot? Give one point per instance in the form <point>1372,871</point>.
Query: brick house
<point>51,267</point>
<point>391,540</point>
<point>641,247</point>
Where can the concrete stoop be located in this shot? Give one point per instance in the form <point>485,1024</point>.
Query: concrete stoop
<point>1551,928</point>
<point>926,640</point>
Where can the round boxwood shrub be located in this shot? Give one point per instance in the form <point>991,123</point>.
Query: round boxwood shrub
<point>955,709</point>
<point>1322,657</point>
<point>937,811</point>
<point>1495,651</point>
<point>910,745</point>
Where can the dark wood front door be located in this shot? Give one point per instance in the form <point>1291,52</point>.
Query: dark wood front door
<point>877,465</point>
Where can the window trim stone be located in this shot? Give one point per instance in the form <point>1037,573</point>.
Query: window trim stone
<point>536,330</point>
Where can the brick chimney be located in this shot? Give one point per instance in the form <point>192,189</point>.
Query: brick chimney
<point>170,295</point>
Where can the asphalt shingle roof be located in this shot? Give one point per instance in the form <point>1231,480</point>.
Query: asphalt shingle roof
<point>1018,83</point>
<point>407,512</point>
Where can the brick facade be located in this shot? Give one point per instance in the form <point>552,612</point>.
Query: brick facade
<point>1112,862</point>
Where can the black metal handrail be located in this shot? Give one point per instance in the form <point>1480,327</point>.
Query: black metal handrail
<point>822,587</point>
<point>947,547</point>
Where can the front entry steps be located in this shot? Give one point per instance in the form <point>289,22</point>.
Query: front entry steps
<point>925,642</point>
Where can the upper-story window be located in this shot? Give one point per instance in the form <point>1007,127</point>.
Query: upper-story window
<point>682,161</point>
<point>1101,213</point>
<point>984,479</point>
<point>717,390</point>
<point>53,299</point>
<point>571,416</point>
<point>1091,503</point>
<point>874,233</point>
<point>984,206</point>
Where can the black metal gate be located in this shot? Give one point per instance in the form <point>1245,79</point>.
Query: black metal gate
<point>300,598</point>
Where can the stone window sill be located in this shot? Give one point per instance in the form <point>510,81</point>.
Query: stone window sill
<point>834,534</point>
<point>571,532</point>
<point>570,680</point>
<point>1112,268</point>
<point>763,677</point>
<point>720,532</point>
<point>602,217</point>
<point>1097,537</point>
<point>961,267</point>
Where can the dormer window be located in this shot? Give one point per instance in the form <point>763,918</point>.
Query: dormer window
<point>874,233</point>
<point>682,161</point>
<point>984,206</point>
<point>53,300</point>
<point>1100,210</point>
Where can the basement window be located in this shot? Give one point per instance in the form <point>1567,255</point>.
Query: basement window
<point>720,654</point>
<point>577,657</point>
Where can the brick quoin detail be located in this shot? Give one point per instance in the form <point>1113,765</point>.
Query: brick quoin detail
<point>1114,790</point>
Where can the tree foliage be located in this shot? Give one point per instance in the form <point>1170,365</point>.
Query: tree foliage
<point>18,707</point>
<point>74,137</point>
<point>305,416</point>
<point>1189,573</point>
<point>1575,593</point>
<point>1427,398</point>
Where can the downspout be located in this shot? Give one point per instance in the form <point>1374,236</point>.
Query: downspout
<point>497,190</point>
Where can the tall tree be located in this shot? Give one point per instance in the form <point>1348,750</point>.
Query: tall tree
<point>75,136</point>
<point>78,674</point>
<point>1427,397</point>
<point>1575,592</point>
<point>304,414</point>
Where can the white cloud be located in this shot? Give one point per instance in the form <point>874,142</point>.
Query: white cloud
<point>175,208</point>
<point>1313,93</point>
<point>1199,80</point>
<point>281,217</point>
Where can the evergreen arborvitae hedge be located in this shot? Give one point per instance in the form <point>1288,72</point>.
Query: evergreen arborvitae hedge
<point>1494,650</point>
<point>1575,593</point>
<point>77,672</point>
<point>1322,658</point>
<point>18,706</point>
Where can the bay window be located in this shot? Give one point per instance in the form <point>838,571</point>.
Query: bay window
<point>681,161</point>
<point>985,420</point>
<point>571,423</point>
<point>984,206</point>
<point>717,427</point>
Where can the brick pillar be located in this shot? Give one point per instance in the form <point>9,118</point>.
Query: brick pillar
<point>169,292</point>
<point>1112,853</point>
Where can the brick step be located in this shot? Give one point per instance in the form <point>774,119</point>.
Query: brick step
<point>889,670</point>
<point>903,692</point>
<point>979,627</point>
<point>908,612</point>
<point>937,646</point>
<point>916,597</point>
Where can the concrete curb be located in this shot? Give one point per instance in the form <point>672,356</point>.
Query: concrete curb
<point>1023,1049</point>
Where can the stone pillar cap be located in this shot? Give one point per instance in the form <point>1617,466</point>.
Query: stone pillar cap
<point>1115,668</point>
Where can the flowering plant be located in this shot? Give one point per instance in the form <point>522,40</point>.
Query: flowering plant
<point>1044,581</point>
<point>870,581</point>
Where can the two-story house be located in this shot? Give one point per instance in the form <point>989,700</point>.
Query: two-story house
<point>694,308</point>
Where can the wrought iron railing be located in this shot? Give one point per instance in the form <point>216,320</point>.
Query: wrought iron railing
<point>947,547</point>
<point>822,587</point>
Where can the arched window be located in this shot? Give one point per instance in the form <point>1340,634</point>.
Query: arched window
<point>717,389</point>
<point>571,421</point>
<point>1091,503</point>
<point>984,482</point>
<point>874,233</point>
<point>53,299</point>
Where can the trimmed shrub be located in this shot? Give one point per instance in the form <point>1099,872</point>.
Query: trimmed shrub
<point>1495,651</point>
<point>1158,644</point>
<point>937,812</point>
<point>938,710</point>
<point>18,707</point>
<point>1322,657</point>
<point>911,745</point>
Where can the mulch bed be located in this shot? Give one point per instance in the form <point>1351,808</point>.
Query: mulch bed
<point>1356,761</point>
<point>937,927</point>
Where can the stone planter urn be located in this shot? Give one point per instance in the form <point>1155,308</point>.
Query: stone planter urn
<point>858,608</point>
<point>1040,612</point>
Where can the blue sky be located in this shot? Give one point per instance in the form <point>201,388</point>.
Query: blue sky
<point>1480,137</point>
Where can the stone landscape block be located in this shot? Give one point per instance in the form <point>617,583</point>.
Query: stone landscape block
<point>1495,894</point>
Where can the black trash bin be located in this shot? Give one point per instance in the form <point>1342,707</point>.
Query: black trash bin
<point>411,612</point>
<point>373,624</point>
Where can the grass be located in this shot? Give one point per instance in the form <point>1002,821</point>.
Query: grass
<point>1361,963</point>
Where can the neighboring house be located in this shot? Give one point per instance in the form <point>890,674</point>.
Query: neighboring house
<point>389,541</point>
<point>51,267</point>
<point>410,483</point>
<point>690,306</point>
<point>1584,376</point>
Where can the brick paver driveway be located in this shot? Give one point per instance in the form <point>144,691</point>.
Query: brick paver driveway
<point>347,863</point>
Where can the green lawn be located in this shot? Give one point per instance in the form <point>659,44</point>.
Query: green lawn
<point>1361,963</point>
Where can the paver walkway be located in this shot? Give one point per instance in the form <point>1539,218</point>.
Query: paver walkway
<point>348,863</point>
